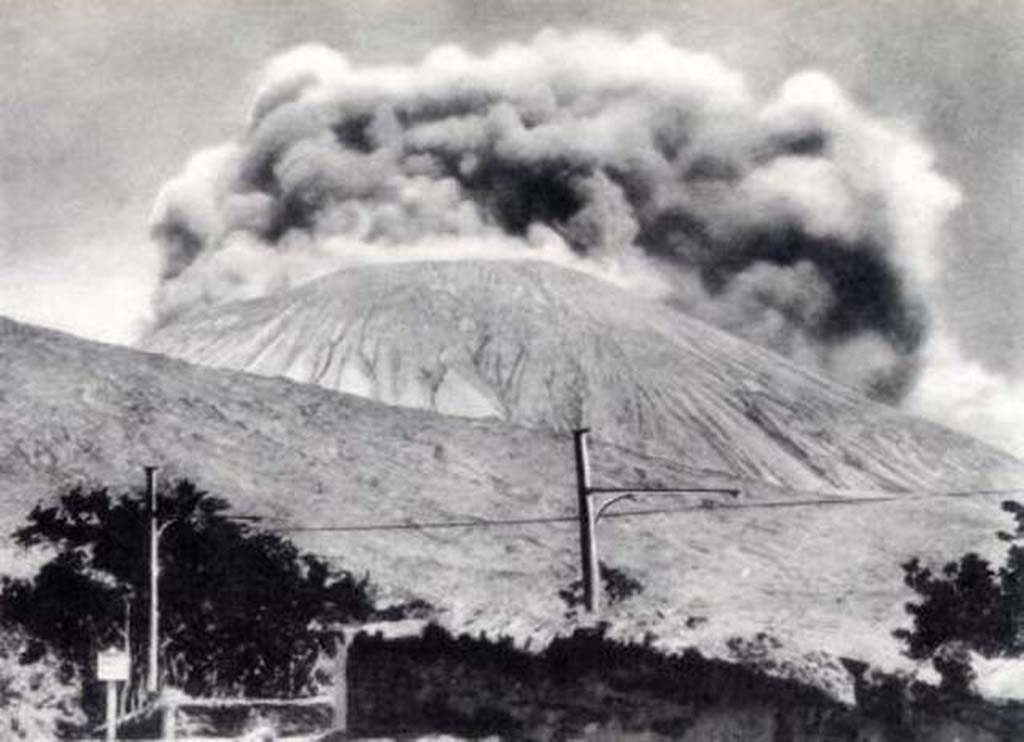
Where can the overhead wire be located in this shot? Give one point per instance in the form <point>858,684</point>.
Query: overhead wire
<point>704,506</point>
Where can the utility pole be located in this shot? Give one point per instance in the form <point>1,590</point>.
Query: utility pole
<point>594,501</point>
<point>154,569</point>
<point>339,717</point>
<point>123,703</point>
<point>155,530</point>
<point>588,543</point>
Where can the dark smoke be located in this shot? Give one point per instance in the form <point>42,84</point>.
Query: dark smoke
<point>803,224</point>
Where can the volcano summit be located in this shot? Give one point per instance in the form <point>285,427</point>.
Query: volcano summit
<point>547,347</point>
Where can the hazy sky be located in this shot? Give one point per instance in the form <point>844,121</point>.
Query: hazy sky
<point>102,100</point>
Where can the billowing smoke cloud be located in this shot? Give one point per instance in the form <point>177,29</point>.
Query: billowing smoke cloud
<point>961,393</point>
<point>800,222</point>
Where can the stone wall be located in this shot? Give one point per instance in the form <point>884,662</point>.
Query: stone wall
<point>582,688</point>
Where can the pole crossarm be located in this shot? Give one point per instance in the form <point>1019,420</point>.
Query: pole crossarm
<point>164,526</point>
<point>611,501</point>
<point>734,492</point>
<point>619,494</point>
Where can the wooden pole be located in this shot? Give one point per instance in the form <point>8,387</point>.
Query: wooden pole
<point>339,722</point>
<point>111,710</point>
<point>588,542</point>
<point>154,568</point>
<point>169,716</point>
<point>589,512</point>
<point>122,705</point>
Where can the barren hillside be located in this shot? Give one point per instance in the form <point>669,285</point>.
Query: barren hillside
<point>822,579</point>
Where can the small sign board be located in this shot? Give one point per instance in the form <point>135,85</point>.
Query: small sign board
<point>112,665</point>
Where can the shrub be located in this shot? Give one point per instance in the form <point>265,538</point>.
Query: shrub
<point>618,586</point>
<point>967,605</point>
<point>38,698</point>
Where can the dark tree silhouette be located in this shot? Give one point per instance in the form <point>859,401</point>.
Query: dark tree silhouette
<point>968,604</point>
<point>236,603</point>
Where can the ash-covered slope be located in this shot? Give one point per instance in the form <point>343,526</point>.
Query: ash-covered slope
<point>551,348</point>
<point>818,579</point>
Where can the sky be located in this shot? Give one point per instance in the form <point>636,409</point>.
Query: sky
<point>103,100</point>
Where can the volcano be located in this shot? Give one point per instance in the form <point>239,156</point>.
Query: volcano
<point>824,582</point>
<point>545,347</point>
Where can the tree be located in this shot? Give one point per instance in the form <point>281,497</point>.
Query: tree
<point>236,603</point>
<point>964,602</point>
<point>968,605</point>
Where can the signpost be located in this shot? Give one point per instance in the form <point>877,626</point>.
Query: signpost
<point>112,666</point>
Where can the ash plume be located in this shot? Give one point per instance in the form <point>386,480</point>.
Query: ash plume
<point>800,222</point>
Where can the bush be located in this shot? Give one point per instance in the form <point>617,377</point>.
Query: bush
<point>968,606</point>
<point>38,698</point>
<point>964,602</point>
<point>618,586</point>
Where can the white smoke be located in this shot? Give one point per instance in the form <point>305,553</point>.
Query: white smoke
<point>963,394</point>
<point>801,222</point>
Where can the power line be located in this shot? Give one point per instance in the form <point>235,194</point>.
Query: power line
<point>783,504</point>
<point>705,506</point>
<point>481,523</point>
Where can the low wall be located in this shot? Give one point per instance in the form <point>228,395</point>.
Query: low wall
<point>584,687</point>
<point>588,688</point>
